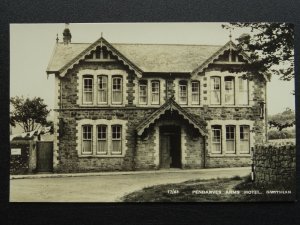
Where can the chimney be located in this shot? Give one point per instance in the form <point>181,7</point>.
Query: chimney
<point>67,35</point>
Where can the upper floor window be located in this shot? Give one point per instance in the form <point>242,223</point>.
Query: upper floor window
<point>87,139</point>
<point>183,92</point>
<point>229,90</point>
<point>102,146</point>
<point>102,89</point>
<point>244,139</point>
<point>215,87</point>
<point>117,90</point>
<point>116,139</point>
<point>216,139</point>
<point>243,91</point>
<point>143,92</point>
<point>195,92</point>
<point>155,92</point>
<point>87,90</point>
<point>230,139</point>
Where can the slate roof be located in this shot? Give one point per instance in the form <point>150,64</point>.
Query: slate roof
<point>174,58</point>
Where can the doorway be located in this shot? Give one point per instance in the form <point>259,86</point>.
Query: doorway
<point>44,156</point>
<point>170,147</point>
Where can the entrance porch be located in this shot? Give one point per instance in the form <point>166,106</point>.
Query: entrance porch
<point>170,138</point>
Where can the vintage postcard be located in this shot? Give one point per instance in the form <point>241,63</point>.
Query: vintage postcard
<point>152,112</point>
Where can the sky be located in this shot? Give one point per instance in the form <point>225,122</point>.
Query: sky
<point>31,47</point>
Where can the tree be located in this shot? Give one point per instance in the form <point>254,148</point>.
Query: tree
<point>30,114</point>
<point>283,120</point>
<point>270,47</point>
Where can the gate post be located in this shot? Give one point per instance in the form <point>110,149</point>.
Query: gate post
<point>32,157</point>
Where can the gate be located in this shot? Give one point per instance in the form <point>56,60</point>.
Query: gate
<point>44,156</point>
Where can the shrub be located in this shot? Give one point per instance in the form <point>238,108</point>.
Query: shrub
<point>275,134</point>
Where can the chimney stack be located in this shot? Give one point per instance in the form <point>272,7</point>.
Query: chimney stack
<point>67,35</point>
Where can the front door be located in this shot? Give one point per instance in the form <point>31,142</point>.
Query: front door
<point>170,147</point>
<point>44,156</point>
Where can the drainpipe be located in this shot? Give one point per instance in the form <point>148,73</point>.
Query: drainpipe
<point>266,113</point>
<point>252,165</point>
<point>60,92</point>
<point>204,155</point>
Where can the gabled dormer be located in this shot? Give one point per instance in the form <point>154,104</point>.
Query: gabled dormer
<point>229,54</point>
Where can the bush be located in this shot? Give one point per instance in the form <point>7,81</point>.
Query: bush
<point>284,134</point>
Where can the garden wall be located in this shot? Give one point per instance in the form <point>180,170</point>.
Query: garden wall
<point>23,156</point>
<point>275,163</point>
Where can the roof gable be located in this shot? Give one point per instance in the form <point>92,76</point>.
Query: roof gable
<point>170,104</point>
<point>148,58</point>
<point>100,42</point>
<point>228,46</point>
<point>144,58</point>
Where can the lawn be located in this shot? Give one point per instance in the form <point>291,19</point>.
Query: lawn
<point>215,190</point>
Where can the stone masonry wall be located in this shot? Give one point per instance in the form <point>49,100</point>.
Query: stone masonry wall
<point>68,155</point>
<point>26,162</point>
<point>145,157</point>
<point>71,113</point>
<point>194,149</point>
<point>275,163</point>
<point>227,161</point>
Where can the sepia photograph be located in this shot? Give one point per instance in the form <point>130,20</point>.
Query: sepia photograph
<point>152,112</point>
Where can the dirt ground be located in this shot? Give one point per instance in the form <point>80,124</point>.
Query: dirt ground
<point>104,188</point>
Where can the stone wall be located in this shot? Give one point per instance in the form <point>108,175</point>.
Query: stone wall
<point>275,163</point>
<point>68,158</point>
<point>227,161</point>
<point>146,156</point>
<point>26,161</point>
<point>194,150</point>
<point>140,151</point>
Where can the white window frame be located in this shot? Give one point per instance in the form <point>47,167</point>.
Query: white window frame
<point>119,139</point>
<point>155,92</point>
<point>100,126</point>
<point>244,140</point>
<point>95,123</point>
<point>229,92</point>
<point>87,139</point>
<point>105,90</point>
<point>113,90</point>
<point>84,91</point>
<point>219,129</point>
<point>145,96</point>
<point>230,131</point>
<point>244,91</point>
<point>195,93</point>
<point>214,90</point>
<point>183,94</point>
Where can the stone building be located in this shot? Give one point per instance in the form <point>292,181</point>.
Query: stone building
<point>153,106</point>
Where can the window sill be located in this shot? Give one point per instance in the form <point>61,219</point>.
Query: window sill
<point>230,106</point>
<point>102,105</point>
<point>216,155</point>
<point>101,156</point>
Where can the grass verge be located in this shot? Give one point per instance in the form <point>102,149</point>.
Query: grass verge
<point>234,189</point>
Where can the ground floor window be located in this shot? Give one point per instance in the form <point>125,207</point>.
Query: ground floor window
<point>102,147</point>
<point>244,139</point>
<point>116,139</point>
<point>230,139</point>
<point>101,139</point>
<point>87,139</point>
<point>216,139</point>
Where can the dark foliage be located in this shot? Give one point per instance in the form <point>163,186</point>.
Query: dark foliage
<point>282,120</point>
<point>270,47</point>
<point>28,113</point>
